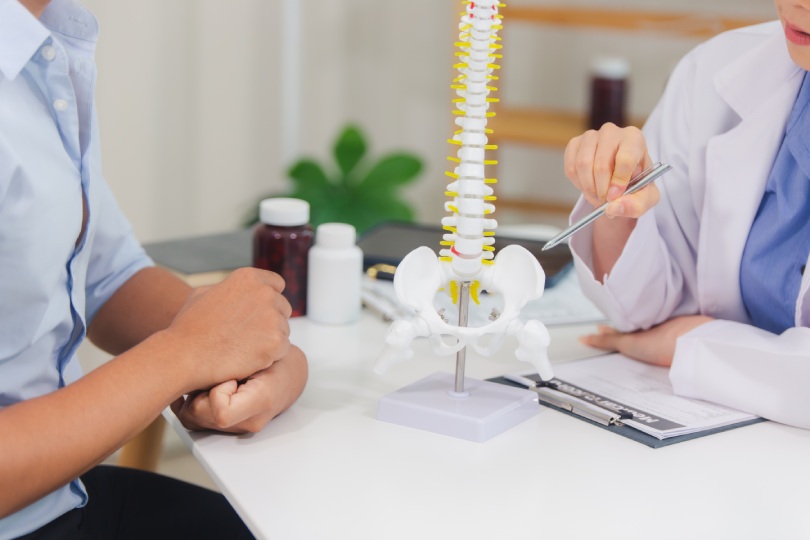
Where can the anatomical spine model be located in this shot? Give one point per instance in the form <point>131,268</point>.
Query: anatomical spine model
<point>466,265</point>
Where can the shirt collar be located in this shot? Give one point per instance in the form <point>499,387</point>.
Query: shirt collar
<point>797,116</point>
<point>21,33</point>
<point>68,18</point>
<point>798,128</point>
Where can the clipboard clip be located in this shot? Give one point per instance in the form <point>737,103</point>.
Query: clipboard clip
<point>568,403</point>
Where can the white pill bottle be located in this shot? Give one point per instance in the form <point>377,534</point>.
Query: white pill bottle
<point>335,275</point>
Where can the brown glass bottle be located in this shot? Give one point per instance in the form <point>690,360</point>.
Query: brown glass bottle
<point>281,244</point>
<point>608,92</point>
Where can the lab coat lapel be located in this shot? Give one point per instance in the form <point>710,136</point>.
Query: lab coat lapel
<point>761,88</point>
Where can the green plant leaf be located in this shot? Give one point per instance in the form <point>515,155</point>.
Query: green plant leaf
<point>372,208</point>
<point>391,171</point>
<point>308,177</point>
<point>335,207</point>
<point>394,209</point>
<point>345,199</point>
<point>316,200</point>
<point>349,149</point>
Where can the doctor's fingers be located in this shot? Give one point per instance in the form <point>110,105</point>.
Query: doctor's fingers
<point>598,160</point>
<point>620,163</point>
<point>579,154</point>
<point>606,338</point>
<point>635,204</point>
<point>652,346</point>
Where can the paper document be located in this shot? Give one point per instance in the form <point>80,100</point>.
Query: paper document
<point>643,391</point>
<point>565,303</point>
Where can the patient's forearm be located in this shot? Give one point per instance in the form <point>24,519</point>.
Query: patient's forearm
<point>148,302</point>
<point>50,440</point>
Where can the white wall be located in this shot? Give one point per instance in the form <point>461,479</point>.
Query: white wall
<point>189,95</point>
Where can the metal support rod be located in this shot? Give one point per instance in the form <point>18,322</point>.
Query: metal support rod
<point>461,355</point>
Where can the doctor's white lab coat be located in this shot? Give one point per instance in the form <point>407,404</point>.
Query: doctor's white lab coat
<point>719,124</point>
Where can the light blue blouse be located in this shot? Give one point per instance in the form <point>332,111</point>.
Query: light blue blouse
<point>779,240</point>
<point>50,287</point>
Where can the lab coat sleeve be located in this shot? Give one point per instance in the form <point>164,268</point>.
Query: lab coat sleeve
<point>747,369</point>
<point>654,278</point>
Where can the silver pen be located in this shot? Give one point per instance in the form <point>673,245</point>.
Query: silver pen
<point>635,184</point>
<point>583,409</point>
<point>378,305</point>
<point>567,402</point>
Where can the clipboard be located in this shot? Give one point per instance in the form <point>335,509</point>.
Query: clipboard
<point>630,432</point>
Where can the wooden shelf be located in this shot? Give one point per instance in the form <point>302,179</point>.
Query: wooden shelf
<point>539,127</point>
<point>690,25</point>
<point>552,128</point>
<point>533,205</point>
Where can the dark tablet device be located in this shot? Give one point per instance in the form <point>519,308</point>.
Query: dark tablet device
<point>386,244</point>
<point>199,254</point>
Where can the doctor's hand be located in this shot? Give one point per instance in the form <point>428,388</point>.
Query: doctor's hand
<point>601,163</point>
<point>654,346</point>
<point>245,406</point>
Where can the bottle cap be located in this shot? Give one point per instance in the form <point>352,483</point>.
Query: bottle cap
<point>284,211</point>
<point>611,67</point>
<point>335,235</point>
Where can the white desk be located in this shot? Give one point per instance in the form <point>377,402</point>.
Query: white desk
<point>327,469</point>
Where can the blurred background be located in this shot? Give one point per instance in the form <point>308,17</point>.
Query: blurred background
<point>205,104</point>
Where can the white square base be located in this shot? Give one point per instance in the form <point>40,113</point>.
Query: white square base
<point>485,410</point>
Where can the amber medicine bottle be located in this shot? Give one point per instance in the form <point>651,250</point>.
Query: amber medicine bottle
<point>281,243</point>
<point>608,92</point>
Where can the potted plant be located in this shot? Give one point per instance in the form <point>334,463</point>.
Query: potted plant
<point>358,190</point>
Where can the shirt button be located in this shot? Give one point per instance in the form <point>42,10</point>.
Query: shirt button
<point>60,104</point>
<point>48,52</point>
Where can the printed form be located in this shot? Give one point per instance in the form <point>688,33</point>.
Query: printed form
<point>624,386</point>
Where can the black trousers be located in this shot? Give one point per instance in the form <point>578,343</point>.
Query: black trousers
<point>129,503</point>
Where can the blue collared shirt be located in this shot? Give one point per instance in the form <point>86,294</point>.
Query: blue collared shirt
<point>52,282</point>
<point>779,241</point>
